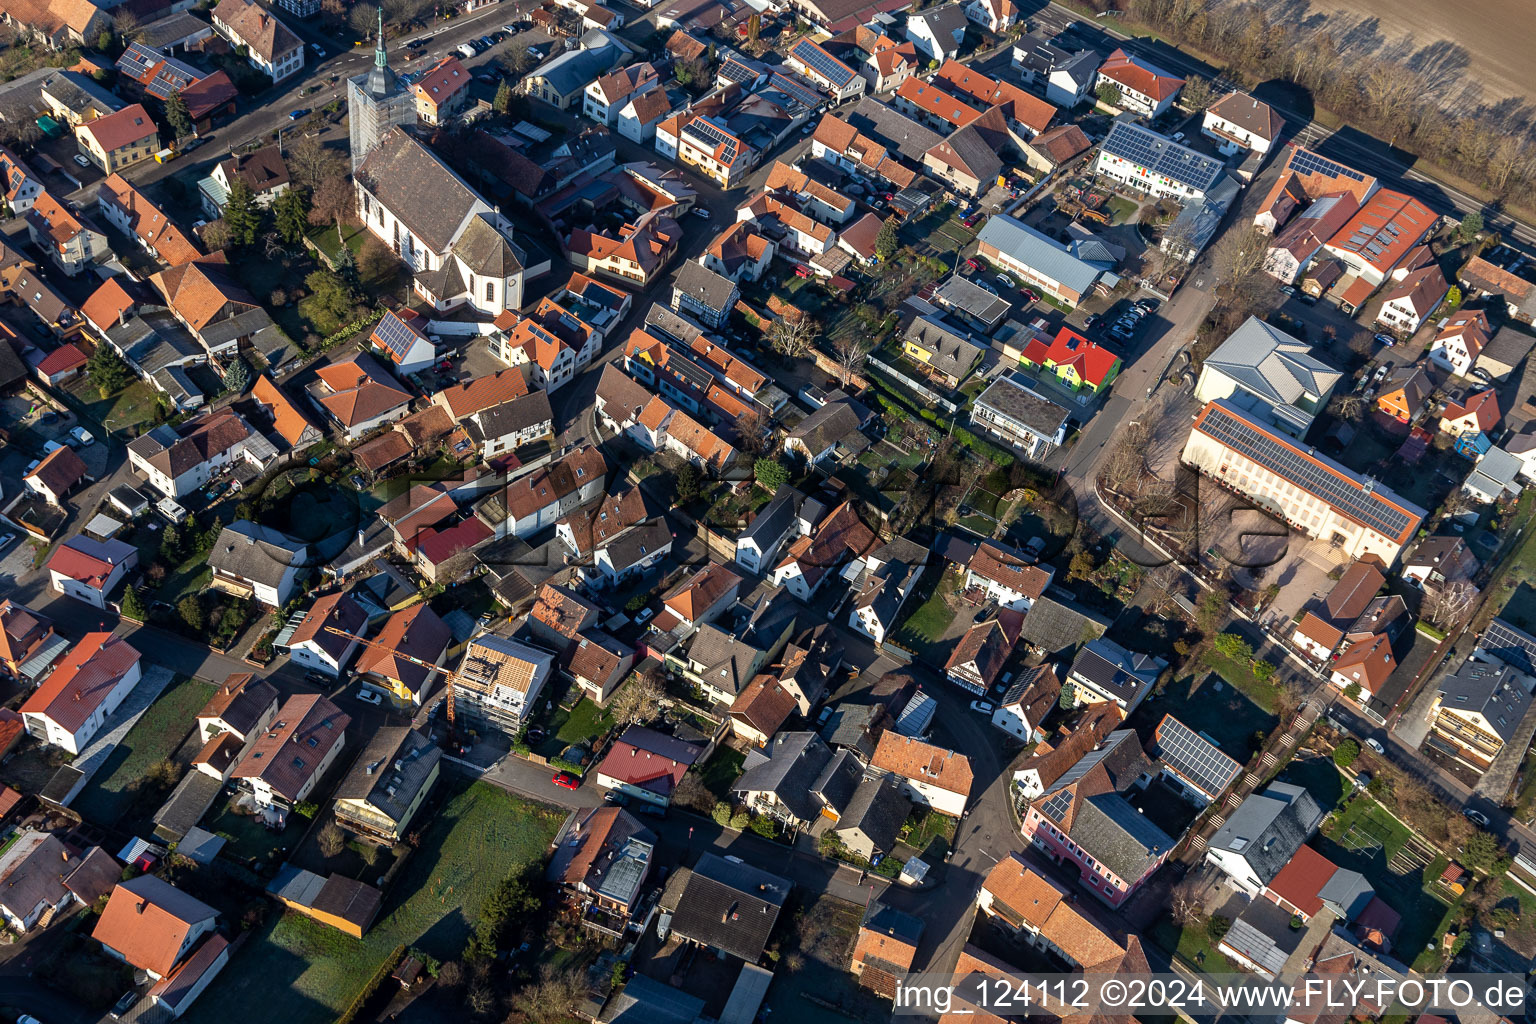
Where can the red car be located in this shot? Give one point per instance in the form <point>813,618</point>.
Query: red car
<point>565,780</point>
<point>972,265</point>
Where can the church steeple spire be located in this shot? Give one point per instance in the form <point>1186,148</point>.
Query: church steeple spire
<point>380,59</point>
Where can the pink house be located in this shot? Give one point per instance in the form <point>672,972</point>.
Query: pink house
<point>1084,821</point>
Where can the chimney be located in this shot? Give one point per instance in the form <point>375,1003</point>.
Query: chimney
<point>138,907</point>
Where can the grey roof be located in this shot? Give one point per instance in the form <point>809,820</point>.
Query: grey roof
<point>418,188</point>
<point>1054,627</point>
<point>795,761</point>
<point>32,872</point>
<point>849,725</point>
<point>128,499</point>
<point>1019,403</point>
<point>200,844</point>
<point>391,771</point>
<point>967,297</point>
<point>672,324</point>
<point>1196,224</point>
<point>643,1001</point>
<point>1037,55</point>
<point>892,129</point>
<point>730,906</point>
<point>486,250</point>
<point>727,660</point>
<point>1494,690</point>
<point>1269,827</point>
<point>154,342</point>
<point>839,780</point>
<point>1158,153</point>
<point>637,542</point>
<point>878,809</point>
<point>1045,255</point>
<point>1347,890</point>
<point>770,524</point>
<point>1271,364</point>
<point>883,591</point>
<point>833,422</point>
<point>1116,670</point>
<point>572,70</point>
<point>1118,835</point>
<point>1120,754</point>
<point>511,417</point>
<point>243,324</point>
<point>977,158</point>
<point>953,352</point>
<point>1495,472</point>
<point>186,805</point>
<point>703,285</point>
<point>256,553</point>
<point>660,744</point>
<point>1507,347</point>
<point>296,885</point>
<point>1263,934</point>
<point>940,20</point>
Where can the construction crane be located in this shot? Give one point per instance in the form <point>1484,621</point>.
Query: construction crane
<point>449,675</point>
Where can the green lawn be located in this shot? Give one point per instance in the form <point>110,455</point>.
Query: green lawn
<point>1192,945</point>
<point>301,972</point>
<point>1240,675</point>
<point>1365,838</point>
<point>248,840</point>
<point>1120,210</point>
<point>153,738</point>
<point>133,406</point>
<point>928,621</point>
<point>586,721</point>
<point>722,769</point>
<point>1207,705</point>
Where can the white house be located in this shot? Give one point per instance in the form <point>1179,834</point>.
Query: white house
<point>253,561</point>
<point>242,707</point>
<point>929,775</point>
<point>1238,121</point>
<point>82,691</point>
<point>1417,296</point>
<point>1459,342</point>
<point>177,462</point>
<point>314,646</point>
<point>1262,835</point>
<point>460,248</point>
<point>639,116</point>
<point>1027,702</point>
<point>88,570</point>
<point>283,764</point>
<point>402,342</point>
<point>938,31</point>
<point>759,543</point>
<point>606,95</point>
<point>270,46</point>
<point>993,15</point>
<point>547,495</point>
<point>1144,87</point>
<point>1007,578</point>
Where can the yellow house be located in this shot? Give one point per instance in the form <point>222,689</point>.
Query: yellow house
<point>119,140</point>
<point>393,663</point>
<point>338,901</point>
<point>387,785</point>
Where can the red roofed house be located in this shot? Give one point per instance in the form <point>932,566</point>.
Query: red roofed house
<point>55,230</point>
<point>1322,628</point>
<point>1311,883</point>
<point>131,212</point>
<point>88,570</point>
<point>442,91</point>
<point>1144,87</point>
<point>60,472</point>
<point>416,632</point>
<point>1415,298</point>
<point>929,775</point>
<point>1460,341</point>
<point>1080,362</point>
<point>399,338</point>
<point>635,255</point>
<point>282,766</point>
<point>63,363</point>
<point>1368,662</point>
<point>646,765</point>
<point>1006,577</point>
<point>359,395</point>
<point>1388,227</point>
<point>314,646</point>
<point>82,692</point>
<point>119,140</point>
<point>151,925</point>
<point>1478,415</point>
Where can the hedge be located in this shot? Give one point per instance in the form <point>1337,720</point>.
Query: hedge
<point>379,976</point>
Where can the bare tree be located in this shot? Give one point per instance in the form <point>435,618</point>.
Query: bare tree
<point>850,349</point>
<point>1126,464</point>
<point>456,568</point>
<point>1239,255</point>
<point>1199,93</point>
<point>1450,605</point>
<point>1162,585</point>
<point>310,162</point>
<point>1351,407</point>
<point>334,201</point>
<point>753,435</point>
<point>1184,903</point>
<point>332,839</point>
<point>792,336</point>
<point>639,698</point>
<point>552,998</point>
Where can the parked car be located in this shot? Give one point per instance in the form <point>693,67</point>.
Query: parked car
<point>1375,745</point>
<point>700,212</point>
<point>373,697</point>
<point>319,678</point>
<point>808,129</point>
<point>49,447</point>
<point>981,706</point>
<point>82,436</point>
<point>1288,289</point>
<point>1005,281</point>
<point>971,264</point>
<point>1482,375</point>
<point>81,160</point>
<point>1386,339</point>
<point>319,50</point>
<point>1030,294</point>
<point>1178,136</point>
<point>294,115</point>
<point>617,799</point>
<point>565,780</point>
<point>644,616</point>
<point>1150,305</point>
<point>1477,818</point>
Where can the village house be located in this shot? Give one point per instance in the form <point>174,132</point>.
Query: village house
<point>1007,577</point>
<point>1142,86</point>
<point>82,692</point>
<point>931,776</point>
<point>1460,340</point>
<point>270,46</point>
<point>384,791</point>
<point>499,681</point>
<point>89,570</point>
<point>286,761</point>
<point>410,637</point>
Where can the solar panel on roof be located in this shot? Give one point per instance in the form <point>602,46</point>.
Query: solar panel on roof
<point>1346,497</point>
<point>1304,161</point>
<point>1195,758</point>
<point>137,60</point>
<point>703,128</point>
<point>1510,645</point>
<point>1161,156</point>
<point>1057,805</point>
<point>823,63</point>
<point>395,335</point>
<point>805,97</point>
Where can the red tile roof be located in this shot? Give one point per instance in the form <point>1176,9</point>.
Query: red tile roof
<point>1300,881</point>
<point>123,128</point>
<point>290,751</point>
<point>1134,73</point>
<point>1092,362</point>
<point>82,680</point>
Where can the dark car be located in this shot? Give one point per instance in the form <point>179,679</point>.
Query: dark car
<point>294,115</point>
<point>565,780</point>
<point>126,1003</point>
